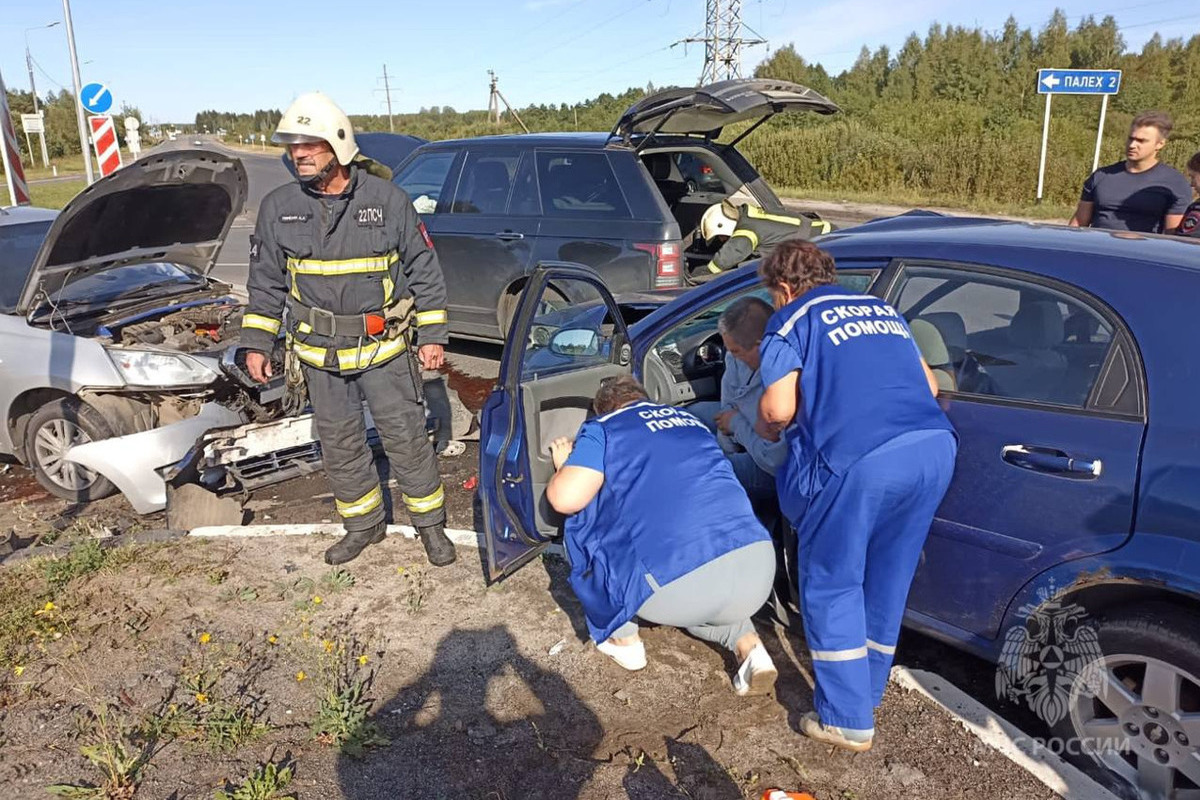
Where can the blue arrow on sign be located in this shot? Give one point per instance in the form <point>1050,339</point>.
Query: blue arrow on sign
<point>96,98</point>
<point>1079,81</point>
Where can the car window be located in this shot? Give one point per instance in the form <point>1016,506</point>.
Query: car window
<point>525,201</point>
<point>1006,337</point>
<point>573,327</point>
<point>18,247</point>
<point>579,185</point>
<point>424,178</point>
<point>485,183</point>
<point>703,324</point>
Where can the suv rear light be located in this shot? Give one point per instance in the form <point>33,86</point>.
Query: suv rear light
<point>705,169</point>
<point>667,260</point>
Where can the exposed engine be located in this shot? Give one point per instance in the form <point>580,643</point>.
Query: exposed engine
<point>190,330</point>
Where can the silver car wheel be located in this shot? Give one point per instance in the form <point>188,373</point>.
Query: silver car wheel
<point>1144,725</point>
<point>50,444</point>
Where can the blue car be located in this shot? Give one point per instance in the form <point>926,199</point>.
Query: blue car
<point>1066,368</point>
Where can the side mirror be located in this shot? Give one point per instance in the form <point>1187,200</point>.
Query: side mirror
<point>575,342</point>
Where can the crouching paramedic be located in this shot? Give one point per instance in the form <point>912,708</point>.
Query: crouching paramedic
<point>343,252</point>
<point>870,455</point>
<point>752,230</point>
<point>661,530</point>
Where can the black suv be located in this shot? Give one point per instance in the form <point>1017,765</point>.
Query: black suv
<point>496,206</point>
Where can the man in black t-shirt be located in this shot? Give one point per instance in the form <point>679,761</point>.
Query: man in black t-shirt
<point>1139,193</point>
<point>1191,218</point>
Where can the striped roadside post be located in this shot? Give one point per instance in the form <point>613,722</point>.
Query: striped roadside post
<point>104,140</point>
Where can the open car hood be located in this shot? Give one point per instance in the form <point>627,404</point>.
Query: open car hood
<point>705,110</point>
<point>175,207</point>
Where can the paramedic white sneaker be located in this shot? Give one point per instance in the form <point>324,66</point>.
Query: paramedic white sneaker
<point>630,656</point>
<point>757,673</point>
<point>858,741</point>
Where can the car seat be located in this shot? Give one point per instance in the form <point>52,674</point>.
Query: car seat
<point>1031,368</point>
<point>667,177</point>
<point>933,350</point>
<point>488,190</point>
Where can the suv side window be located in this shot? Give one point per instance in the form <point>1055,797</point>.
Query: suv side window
<point>579,185</point>
<point>1006,337</point>
<point>424,178</point>
<point>485,183</point>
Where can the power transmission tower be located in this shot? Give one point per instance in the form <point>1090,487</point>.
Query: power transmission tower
<point>387,91</point>
<point>494,100</point>
<point>723,41</point>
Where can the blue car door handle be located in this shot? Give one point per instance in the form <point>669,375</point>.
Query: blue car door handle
<point>509,236</point>
<point>1051,461</point>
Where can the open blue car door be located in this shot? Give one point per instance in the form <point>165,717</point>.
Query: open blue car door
<point>567,336</point>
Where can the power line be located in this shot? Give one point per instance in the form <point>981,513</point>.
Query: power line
<point>589,32</point>
<point>722,41</point>
<point>387,92</point>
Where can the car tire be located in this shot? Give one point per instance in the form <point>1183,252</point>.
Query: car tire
<point>54,428</point>
<point>1154,647</point>
<point>509,303</point>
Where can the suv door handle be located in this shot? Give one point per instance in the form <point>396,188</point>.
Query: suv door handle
<point>1049,460</point>
<point>509,236</point>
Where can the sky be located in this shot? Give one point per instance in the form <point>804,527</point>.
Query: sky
<point>172,58</point>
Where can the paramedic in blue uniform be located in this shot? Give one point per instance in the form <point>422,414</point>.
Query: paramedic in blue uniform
<point>660,529</point>
<point>870,455</point>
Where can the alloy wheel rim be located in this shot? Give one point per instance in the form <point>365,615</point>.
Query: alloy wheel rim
<point>51,443</point>
<point>1143,724</point>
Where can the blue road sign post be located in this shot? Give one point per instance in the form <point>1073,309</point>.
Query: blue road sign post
<point>96,98</point>
<point>1103,82</point>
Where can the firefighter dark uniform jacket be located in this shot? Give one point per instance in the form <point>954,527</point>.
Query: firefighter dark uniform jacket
<point>1190,225</point>
<point>337,263</point>
<point>758,231</point>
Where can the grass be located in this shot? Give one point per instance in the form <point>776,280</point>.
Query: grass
<point>1053,212</point>
<point>57,194</point>
<point>265,783</point>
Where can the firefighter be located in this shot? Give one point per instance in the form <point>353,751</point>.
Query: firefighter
<point>752,230</point>
<point>343,253</point>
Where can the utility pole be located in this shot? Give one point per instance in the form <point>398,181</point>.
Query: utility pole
<point>33,90</point>
<point>83,136</point>
<point>387,91</point>
<point>494,106</point>
<point>723,41</point>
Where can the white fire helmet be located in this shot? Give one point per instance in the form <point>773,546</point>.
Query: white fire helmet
<point>718,220</point>
<point>313,117</point>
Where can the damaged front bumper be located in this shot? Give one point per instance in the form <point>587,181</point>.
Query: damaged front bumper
<point>138,462</point>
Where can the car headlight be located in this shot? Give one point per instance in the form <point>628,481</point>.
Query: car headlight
<point>154,368</point>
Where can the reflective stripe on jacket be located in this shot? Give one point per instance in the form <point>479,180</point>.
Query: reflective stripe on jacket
<point>355,253</point>
<point>760,231</point>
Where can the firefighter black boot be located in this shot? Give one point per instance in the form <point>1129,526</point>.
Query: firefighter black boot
<point>438,548</point>
<point>353,543</point>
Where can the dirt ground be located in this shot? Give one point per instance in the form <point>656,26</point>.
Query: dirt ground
<point>204,659</point>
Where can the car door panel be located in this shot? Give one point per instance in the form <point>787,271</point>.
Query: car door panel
<point>1038,481</point>
<point>540,397</point>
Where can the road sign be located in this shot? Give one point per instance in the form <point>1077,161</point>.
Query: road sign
<point>96,98</point>
<point>32,123</point>
<point>1103,82</point>
<point>104,139</point>
<point>10,155</point>
<point>1079,81</point>
<point>132,124</point>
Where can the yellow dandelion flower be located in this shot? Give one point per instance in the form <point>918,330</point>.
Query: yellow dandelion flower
<point>205,637</point>
<point>201,698</point>
<point>300,676</point>
<point>272,639</point>
<point>328,645</point>
<point>317,600</point>
<point>49,608</point>
<point>362,660</point>
<point>17,670</point>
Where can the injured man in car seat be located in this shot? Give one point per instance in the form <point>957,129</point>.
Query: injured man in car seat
<point>755,460</point>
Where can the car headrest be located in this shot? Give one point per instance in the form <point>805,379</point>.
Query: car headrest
<point>951,326</point>
<point>930,342</point>
<point>659,165</point>
<point>491,175</point>
<point>1037,325</point>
